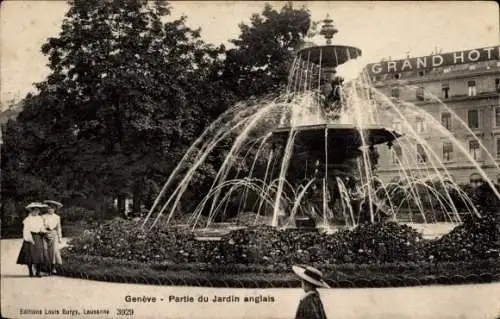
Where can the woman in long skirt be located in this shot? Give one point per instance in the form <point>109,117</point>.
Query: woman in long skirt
<point>52,222</point>
<point>33,253</point>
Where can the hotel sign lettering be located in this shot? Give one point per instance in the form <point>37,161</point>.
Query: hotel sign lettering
<point>434,61</point>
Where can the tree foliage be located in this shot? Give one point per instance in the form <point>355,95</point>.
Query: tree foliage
<point>129,90</point>
<point>263,53</point>
<point>122,100</point>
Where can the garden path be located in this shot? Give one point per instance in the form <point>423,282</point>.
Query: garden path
<point>431,302</point>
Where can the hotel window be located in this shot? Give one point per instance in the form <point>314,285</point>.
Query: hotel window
<point>498,147</point>
<point>395,93</point>
<point>473,118</point>
<point>397,179</point>
<point>370,93</point>
<point>396,125</point>
<point>475,178</point>
<point>497,116</point>
<point>421,155</point>
<point>420,121</point>
<point>472,88</point>
<point>420,93</point>
<point>397,76</point>
<point>397,154</point>
<point>497,85</point>
<point>474,149</point>
<point>446,120</point>
<point>421,73</point>
<point>447,151</point>
<point>446,90</point>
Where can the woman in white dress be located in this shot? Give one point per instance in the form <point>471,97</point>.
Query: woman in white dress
<point>52,222</point>
<point>33,253</point>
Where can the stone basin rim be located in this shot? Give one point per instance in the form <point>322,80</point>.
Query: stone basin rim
<point>379,134</point>
<point>329,55</point>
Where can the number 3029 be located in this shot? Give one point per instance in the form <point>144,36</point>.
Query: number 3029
<point>124,312</point>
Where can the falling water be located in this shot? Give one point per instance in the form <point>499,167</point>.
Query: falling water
<point>247,125</point>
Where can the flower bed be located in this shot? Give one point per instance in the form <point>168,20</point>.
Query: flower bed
<point>371,251</point>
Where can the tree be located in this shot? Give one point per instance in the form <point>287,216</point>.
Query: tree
<point>264,51</point>
<point>121,103</point>
<point>23,150</point>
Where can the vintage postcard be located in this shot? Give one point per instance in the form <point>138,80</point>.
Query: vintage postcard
<point>250,159</point>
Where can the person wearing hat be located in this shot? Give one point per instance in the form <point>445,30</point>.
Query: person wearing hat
<point>33,253</point>
<point>310,306</point>
<point>52,222</point>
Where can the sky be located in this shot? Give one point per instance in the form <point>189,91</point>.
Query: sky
<point>380,29</point>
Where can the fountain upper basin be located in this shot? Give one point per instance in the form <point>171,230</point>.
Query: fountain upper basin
<point>329,55</point>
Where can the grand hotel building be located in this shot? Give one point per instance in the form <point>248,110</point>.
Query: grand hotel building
<point>465,83</point>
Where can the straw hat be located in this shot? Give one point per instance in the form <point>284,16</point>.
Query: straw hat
<point>53,203</point>
<point>311,275</point>
<point>36,205</point>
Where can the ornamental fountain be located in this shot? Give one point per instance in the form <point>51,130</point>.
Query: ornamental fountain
<point>343,154</point>
<point>308,157</point>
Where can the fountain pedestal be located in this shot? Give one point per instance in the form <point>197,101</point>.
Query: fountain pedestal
<point>335,156</point>
<point>306,224</point>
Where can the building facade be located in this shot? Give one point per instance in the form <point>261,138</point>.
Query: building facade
<point>448,108</point>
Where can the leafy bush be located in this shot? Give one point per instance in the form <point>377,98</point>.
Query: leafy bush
<point>385,242</point>
<point>251,219</point>
<point>476,238</point>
